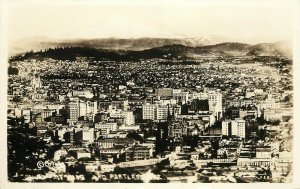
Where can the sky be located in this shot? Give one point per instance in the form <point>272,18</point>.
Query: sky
<point>250,21</point>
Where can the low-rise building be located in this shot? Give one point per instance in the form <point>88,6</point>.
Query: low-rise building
<point>111,142</point>
<point>263,152</point>
<point>106,127</point>
<point>83,154</point>
<point>138,153</point>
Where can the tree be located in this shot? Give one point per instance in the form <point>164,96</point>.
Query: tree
<point>135,136</point>
<point>13,71</point>
<point>262,133</point>
<point>184,109</point>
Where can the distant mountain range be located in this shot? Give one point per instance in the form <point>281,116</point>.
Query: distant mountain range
<point>135,44</point>
<point>128,49</point>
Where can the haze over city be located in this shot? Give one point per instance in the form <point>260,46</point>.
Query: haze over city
<point>238,22</point>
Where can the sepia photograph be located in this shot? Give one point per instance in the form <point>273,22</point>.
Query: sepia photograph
<point>148,92</point>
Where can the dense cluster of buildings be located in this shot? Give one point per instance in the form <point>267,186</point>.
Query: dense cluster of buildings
<point>94,118</point>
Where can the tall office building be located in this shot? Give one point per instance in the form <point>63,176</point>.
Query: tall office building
<point>235,127</point>
<point>159,112</point>
<point>226,127</point>
<point>241,128</point>
<point>88,135</point>
<point>215,103</point>
<point>87,107</point>
<point>74,110</point>
<point>127,115</point>
<point>149,111</point>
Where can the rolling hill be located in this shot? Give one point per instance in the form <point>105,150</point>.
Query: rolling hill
<point>133,44</point>
<point>172,50</point>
